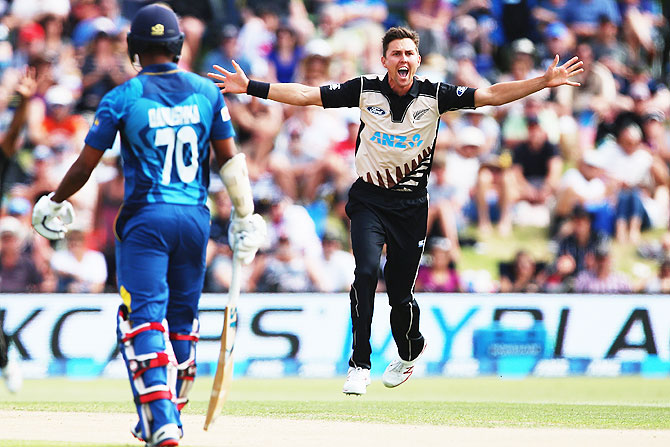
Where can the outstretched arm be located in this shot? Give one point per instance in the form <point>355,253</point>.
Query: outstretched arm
<point>287,93</point>
<point>504,92</point>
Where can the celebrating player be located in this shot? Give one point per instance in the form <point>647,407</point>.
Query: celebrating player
<point>388,204</point>
<point>167,119</point>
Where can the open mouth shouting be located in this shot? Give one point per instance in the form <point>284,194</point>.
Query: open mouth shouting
<point>403,73</point>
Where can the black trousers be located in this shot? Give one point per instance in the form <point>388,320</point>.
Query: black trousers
<point>397,219</point>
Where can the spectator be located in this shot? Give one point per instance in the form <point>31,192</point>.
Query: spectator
<point>258,122</point>
<point>288,219</point>
<point>219,253</point>
<point>576,248</point>
<point>443,220</point>
<point>285,270</point>
<point>598,93</point>
<point>522,275</point>
<point>61,128</point>
<point>286,54</point>
<point>549,11</point>
<point>338,265</point>
<point>108,203</point>
<point>227,50</point>
<point>601,278</point>
<point>18,273</point>
<point>480,118</point>
<point>9,141</point>
<point>536,167</point>
<point>104,68</point>
<point>627,163</point>
<point>79,270</point>
<point>430,18</point>
<point>660,283</point>
<point>588,186</point>
<point>583,15</point>
<point>440,274</point>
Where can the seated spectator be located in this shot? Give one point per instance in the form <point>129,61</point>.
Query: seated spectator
<point>523,274</point>
<point>576,248</point>
<point>430,18</point>
<point>103,69</point>
<point>227,51</point>
<point>627,163</point>
<point>18,273</point>
<point>440,274</point>
<point>285,270</point>
<point>443,221</point>
<point>284,59</point>
<point>583,15</point>
<point>493,195</point>
<point>536,166</point>
<point>587,186</point>
<point>660,283</point>
<point>79,270</point>
<point>601,278</point>
<point>658,250</point>
<point>338,264</point>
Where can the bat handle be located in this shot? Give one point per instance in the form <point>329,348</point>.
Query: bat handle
<point>235,282</point>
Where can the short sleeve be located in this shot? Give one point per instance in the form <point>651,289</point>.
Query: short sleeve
<point>451,97</point>
<point>102,133</point>
<point>222,126</point>
<point>347,94</point>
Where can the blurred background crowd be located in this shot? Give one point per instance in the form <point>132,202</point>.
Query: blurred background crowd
<point>587,168</point>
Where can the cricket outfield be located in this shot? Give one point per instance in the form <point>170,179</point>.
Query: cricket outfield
<point>486,411</point>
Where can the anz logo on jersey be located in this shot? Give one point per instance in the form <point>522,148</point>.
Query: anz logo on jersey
<point>398,141</point>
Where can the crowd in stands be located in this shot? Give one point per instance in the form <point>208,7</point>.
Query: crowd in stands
<point>590,164</point>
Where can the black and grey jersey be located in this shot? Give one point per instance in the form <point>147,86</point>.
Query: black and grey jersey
<point>397,134</point>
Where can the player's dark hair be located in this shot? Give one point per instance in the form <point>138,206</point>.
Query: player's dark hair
<point>399,32</point>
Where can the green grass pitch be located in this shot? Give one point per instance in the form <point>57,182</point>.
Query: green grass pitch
<point>620,403</point>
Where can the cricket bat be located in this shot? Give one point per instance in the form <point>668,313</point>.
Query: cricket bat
<point>224,368</point>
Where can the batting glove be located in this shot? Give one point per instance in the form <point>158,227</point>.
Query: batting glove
<point>246,235</point>
<point>50,219</point>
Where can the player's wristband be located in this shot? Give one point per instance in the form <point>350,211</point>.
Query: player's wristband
<point>258,89</point>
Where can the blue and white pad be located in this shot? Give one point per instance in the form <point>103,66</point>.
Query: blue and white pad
<point>152,369</point>
<point>183,345</point>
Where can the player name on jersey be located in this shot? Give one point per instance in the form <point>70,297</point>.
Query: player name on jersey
<point>174,116</point>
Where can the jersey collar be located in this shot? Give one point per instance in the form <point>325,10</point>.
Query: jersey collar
<point>158,69</point>
<point>413,90</point>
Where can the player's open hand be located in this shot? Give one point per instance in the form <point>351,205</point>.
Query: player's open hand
<point>230,82</point>
<point>556,75</point>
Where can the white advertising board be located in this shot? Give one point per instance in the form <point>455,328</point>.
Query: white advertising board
<point>310,334</point>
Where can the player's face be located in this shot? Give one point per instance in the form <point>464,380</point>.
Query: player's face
<point>401,60</point>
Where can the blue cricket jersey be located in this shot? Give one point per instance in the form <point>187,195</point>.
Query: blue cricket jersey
<point>166,118</point>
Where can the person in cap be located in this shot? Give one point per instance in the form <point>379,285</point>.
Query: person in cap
<point>388,204</point>
<point>169,121</point>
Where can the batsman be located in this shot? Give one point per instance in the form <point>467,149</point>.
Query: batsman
<point>167,119</point>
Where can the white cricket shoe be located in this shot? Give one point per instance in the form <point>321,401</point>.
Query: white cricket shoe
<point>357,381</point>
<point>12,375</point>
<point>167,435</point>
<point>399,370</point>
